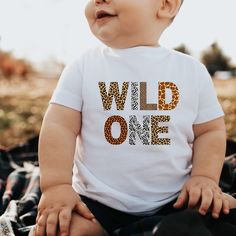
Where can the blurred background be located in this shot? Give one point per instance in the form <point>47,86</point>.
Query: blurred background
<point>38,37</point>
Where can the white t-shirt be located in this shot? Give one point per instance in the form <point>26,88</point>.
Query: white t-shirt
<point>138,108</point>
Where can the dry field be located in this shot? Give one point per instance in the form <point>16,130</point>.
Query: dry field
<point>226,90</point>
<point>23,103</point>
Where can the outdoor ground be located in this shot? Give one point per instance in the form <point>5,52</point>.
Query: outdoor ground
<point>226,90</point>
<point>23,103</point>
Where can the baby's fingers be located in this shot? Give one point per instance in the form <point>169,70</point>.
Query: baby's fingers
<point>40,229</point>
<point>64,221</point>
<point>52,222</point>
<point>182,199</point>
<point>194,197</point>
<point>217,205</point>
<point>226,206</point>
<point>83,210</point>
<point>207,198</point>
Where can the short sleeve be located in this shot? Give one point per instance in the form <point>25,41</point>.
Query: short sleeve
<point>68,91</point>
<point>209,107</point>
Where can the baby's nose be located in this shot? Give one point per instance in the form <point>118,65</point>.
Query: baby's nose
<point>101,1</point>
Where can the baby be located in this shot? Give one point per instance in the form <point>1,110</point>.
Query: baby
<point>140,126</point>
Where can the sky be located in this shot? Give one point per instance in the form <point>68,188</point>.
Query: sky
<point>57,29</point>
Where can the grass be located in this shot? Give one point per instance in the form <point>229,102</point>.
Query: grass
<point>23,103</point>
<point>22,106</point>
<point>226,91</point>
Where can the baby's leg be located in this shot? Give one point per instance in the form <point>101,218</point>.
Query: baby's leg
<point>80,226</point>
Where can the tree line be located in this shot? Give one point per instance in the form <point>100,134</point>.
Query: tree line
<point>213,58</point>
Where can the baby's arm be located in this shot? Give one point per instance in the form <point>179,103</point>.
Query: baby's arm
<point>208,158</point>
<point>57,141</point>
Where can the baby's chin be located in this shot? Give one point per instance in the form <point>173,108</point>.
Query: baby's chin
<point>109,39</point>
<point>119,43</point>
<point>112,43</point>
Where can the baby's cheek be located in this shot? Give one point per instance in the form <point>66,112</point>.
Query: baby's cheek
<point>89,10</point>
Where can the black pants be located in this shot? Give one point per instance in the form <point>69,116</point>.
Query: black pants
<point>112,219</point>
<point>191,223</point>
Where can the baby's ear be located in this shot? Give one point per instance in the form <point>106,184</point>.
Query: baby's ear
<point>168,8</point>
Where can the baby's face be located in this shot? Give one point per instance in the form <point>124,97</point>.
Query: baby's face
<point>123,23</point>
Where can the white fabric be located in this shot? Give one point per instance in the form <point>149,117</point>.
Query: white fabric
<point>10,215</point>
<point>135,178</point>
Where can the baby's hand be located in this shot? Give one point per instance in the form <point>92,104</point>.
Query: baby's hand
<point>55,208</point>
<point>203,192</point>
<point>231,200</point>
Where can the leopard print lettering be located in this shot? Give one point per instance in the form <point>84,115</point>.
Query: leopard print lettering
<point>143,98</point>
<point>159,129</point>
<point>162,96</point>
<point>134,95</point>
<point>123,129</point>
<point>113,92</point>
<point>135,127</point>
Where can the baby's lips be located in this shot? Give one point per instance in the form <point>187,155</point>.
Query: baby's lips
<point>101,13</point>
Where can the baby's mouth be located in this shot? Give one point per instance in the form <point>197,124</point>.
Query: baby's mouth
<point>103,14</point>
